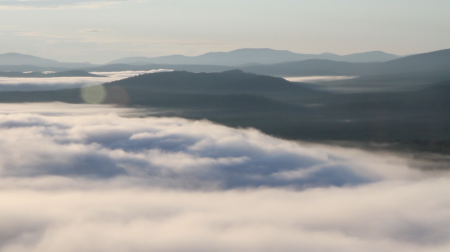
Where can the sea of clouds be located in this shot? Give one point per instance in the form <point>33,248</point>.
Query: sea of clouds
<point>99,178</point>
<point>54,83</point>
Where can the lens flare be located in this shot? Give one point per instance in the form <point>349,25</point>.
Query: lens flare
<point>93,94</point>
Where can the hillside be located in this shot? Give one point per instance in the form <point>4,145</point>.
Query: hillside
<point>426,62</point>
<point>171,89</point>
<point>229,82</point>
<point>276,106</point>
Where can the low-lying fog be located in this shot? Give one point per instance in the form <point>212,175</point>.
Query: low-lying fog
<point>53,83</point>
<point>94,178</point>
<point>313,79</point>
<point>335,84</point>
<point>356,84</point>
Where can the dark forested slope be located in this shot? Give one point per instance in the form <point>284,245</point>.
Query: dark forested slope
<point>276,106</point>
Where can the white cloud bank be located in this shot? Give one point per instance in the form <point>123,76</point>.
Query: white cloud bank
<point>168,152</point>
<point>53,83</point>
<point>82,178</point>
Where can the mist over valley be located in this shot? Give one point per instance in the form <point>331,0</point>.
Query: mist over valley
<point>247,126</point>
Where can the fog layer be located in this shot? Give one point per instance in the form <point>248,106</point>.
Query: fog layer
<point>88,178</point>
<point>36,84</point>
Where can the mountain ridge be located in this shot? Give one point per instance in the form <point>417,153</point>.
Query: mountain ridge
<point>424,62</point>
<point>255,55</point>
<point>17,59</point>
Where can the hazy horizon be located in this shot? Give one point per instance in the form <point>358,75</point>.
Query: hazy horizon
<point>90,30</point>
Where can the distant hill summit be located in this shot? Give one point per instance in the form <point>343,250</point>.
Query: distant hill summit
<point>426,62</point>
<point>375,56</point>
<point>17,59</point>
<point>255,56</point>
<point>230,90</point>
<point>431,61</point>
<point>22,59</point>
<point>224,83</point>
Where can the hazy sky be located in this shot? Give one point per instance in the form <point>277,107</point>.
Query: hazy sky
<point>102,30</point>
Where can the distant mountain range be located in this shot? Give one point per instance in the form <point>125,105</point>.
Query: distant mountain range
<point>241,58</point>
<point>425,67</point>
<point>405,73</point>
<point>255,56</point>
<point>17,59</point>
<point>425,62</point>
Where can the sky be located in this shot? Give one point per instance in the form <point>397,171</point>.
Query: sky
<point>99,31</point>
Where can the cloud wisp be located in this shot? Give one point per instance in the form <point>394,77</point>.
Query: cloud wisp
<point>56,4</point>
<point>54,83</point>
<point>94,178</point>
<point>313,79</point>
